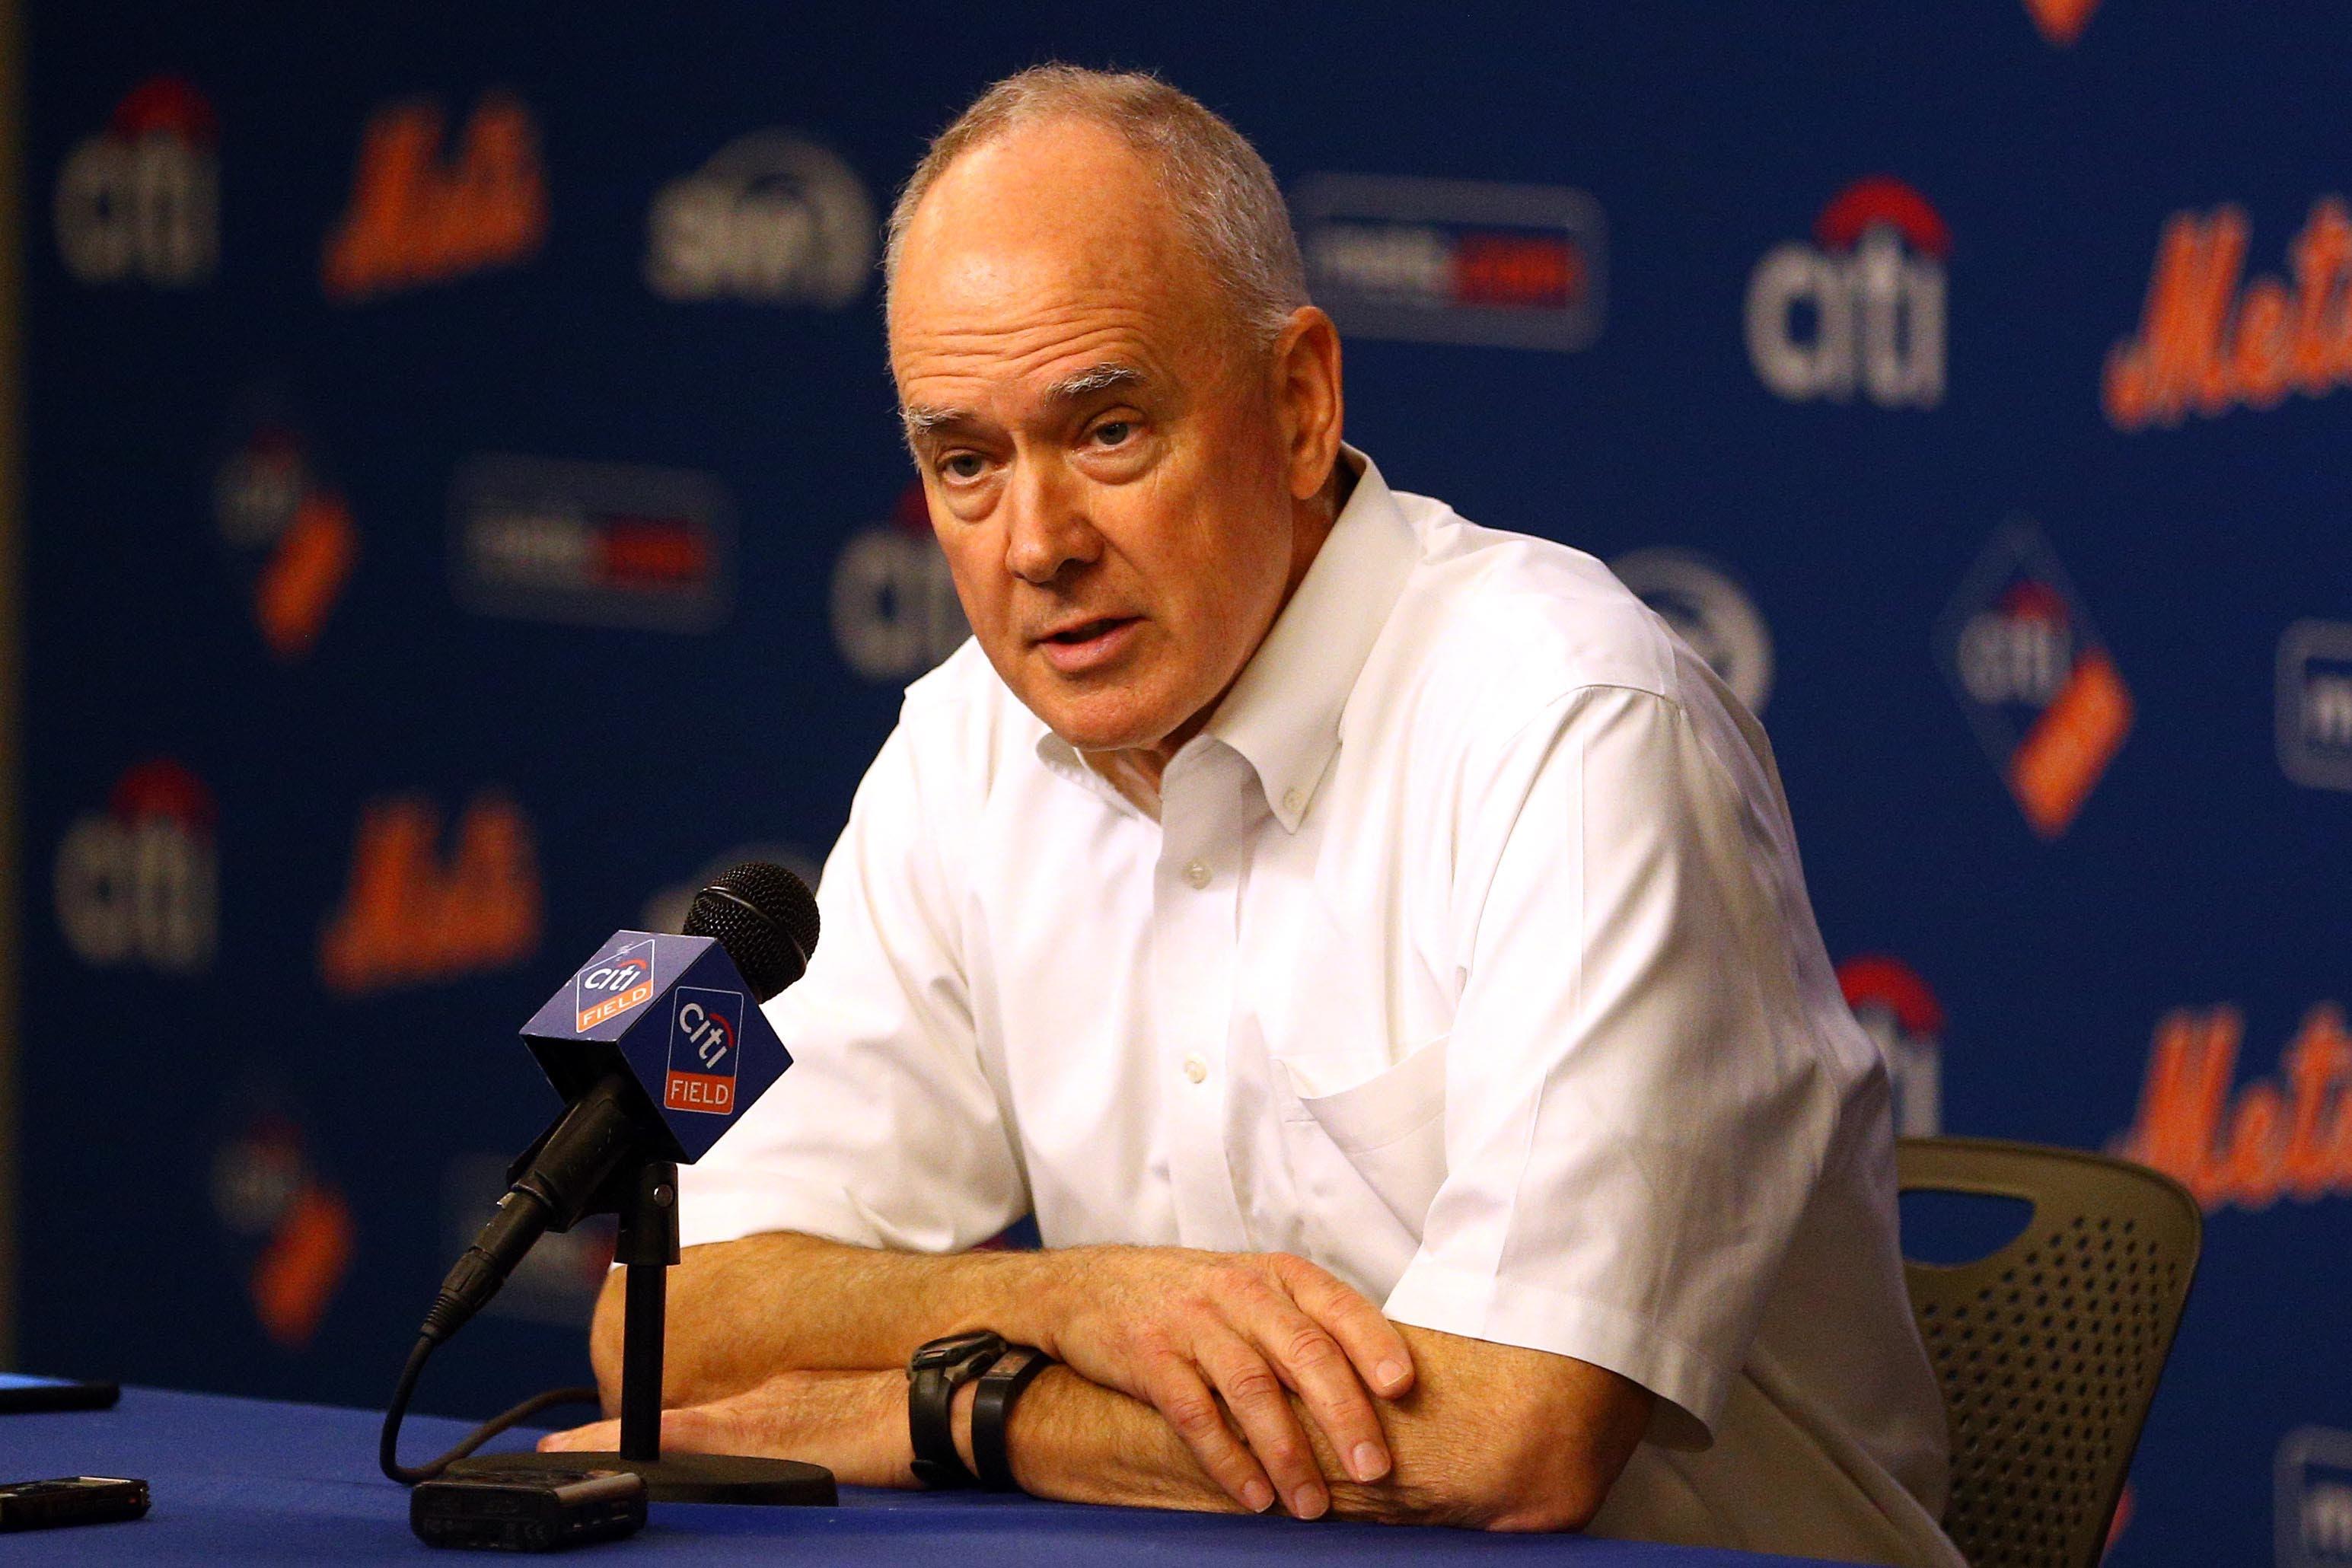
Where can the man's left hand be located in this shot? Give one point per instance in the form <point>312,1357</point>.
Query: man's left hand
<point>852,1423</point>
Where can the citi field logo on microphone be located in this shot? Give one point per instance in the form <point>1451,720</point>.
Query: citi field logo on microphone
<point>1862,308</point>
<point>706,1033</point>
<point>613,985</point>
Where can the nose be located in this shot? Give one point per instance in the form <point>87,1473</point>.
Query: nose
<point>1046,531</point>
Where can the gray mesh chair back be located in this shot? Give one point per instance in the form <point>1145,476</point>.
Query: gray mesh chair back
<point>2049,1349</point>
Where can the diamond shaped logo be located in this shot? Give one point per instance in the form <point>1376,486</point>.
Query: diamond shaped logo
<point>2060,21</point>
<point>2040,689</point>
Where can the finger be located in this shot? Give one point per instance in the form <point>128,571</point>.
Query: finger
<point>1372,1344</point>
<point>597,1434</point>
<point>1261,1408</point>
<point>1311,1364</point>
<point>1176,1391</point>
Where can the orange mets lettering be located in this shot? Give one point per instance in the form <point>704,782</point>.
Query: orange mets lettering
<point>2286,1139</point>
<point>2206,346</point>
<point>408,919</point>
<point>416,220</point>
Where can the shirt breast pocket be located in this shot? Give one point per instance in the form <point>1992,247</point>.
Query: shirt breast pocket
<point>1367,1159</point>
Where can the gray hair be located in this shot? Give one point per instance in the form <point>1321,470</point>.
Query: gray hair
<point>1223,196</point>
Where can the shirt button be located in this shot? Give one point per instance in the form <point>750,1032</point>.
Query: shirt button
<point>1195,1068</point>
<point>1198,875</point>
<point>1293,801</point>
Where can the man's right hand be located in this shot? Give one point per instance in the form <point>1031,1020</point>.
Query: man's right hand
<point>1183,1329</point>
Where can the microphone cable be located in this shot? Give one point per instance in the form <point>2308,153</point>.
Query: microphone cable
<point>387,1453</point>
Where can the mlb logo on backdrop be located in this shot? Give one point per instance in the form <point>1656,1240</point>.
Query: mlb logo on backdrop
<point>2038,685</point>
<point>706,1033</point>
<point>613,985</point>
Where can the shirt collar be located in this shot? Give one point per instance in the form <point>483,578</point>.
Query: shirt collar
<point>1283,714</point>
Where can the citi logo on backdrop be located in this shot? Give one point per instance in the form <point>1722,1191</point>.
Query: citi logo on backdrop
<point>140,201</point>
<point>1898,1012</point>
<point>774,218</point>
<point>2207,345</point>
<point>274,507</point>
<point>2039,687</point>
<point>138,884</point>
<point>1860,309</point>
<point>419,217</point>
<point>895,610</point>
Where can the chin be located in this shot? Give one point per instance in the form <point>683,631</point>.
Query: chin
<point>1101,721</point>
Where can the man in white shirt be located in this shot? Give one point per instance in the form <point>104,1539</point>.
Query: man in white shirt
<point>1372,946</point>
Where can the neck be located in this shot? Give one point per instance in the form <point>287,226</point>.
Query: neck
<point>1136,771</point>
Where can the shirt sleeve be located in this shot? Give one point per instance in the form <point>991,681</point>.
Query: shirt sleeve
<point>1635,1112</point>
<point>884,1132</point>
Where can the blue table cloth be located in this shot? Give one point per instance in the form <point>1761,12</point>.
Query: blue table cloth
<point>244,1482</point>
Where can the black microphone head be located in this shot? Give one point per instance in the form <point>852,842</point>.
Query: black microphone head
<point>766,919</point>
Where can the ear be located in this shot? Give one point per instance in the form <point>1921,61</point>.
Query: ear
<point>1308,399</point>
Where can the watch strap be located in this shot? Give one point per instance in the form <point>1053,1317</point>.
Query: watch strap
<point>991,1411</point>
<point>937,1371</point>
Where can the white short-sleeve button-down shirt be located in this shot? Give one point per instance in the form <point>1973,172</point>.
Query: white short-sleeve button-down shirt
<point>1469,956</point>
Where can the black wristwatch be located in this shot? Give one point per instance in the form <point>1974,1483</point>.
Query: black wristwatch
<point>991,1408</point>
<point>937,1371</point>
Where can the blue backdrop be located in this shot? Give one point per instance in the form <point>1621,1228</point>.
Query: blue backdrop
<point>465,504</point>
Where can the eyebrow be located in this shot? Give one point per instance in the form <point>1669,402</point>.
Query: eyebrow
<point>920,419</point>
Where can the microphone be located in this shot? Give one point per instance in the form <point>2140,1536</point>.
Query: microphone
<point>655,1044</point>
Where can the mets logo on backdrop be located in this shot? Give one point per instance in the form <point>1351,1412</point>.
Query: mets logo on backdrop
<point>1454,261</point>
<point>614,983</point>
<point>1862,308</point>
<point>706,1033</point>
<point>2206,345</point>
<point>2039,687</point>
<point>419,215</point>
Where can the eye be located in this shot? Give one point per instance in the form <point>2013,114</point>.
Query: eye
<point>963,466</point>
<point>1113,432</point>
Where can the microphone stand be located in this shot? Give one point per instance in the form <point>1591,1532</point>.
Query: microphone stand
<point>644,1196</point>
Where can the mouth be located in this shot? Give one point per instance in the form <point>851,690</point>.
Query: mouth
<point>1083,644</point>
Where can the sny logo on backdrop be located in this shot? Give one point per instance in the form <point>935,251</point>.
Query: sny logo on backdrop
<point>273,506</point>
<point>611,985</point>
<point>408,918</point>
<point>895,610</point>
<point>1898,1012</point>
<point>2038,685</point>
<point>416,219</point>
<point>265,1188</point>
<point>1454,261</point>
<point>772,218</point>
<point>604,544</point>
<point>140,881</point>
<point>2313,708</point>
<point>1862,307</point>
<point>142,199</point>
<point>2291,1139</point>
<point>2206,346</point>
<point>1710,610</point>
<point>2311,1493</point>
<point>705,1026</point>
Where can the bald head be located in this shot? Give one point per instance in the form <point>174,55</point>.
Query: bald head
<point>1219,198</point>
